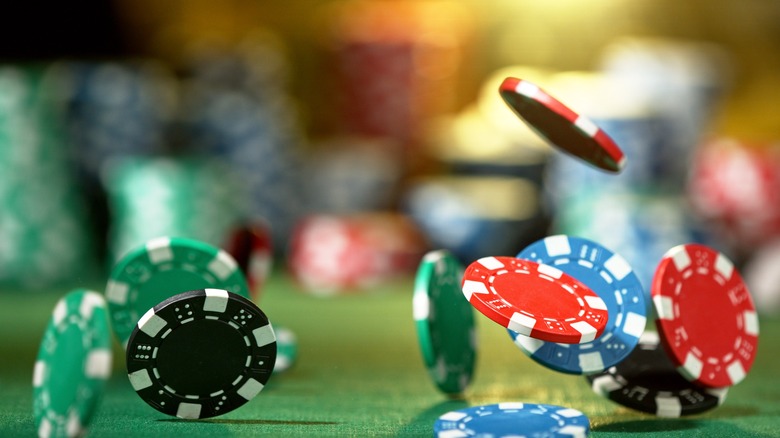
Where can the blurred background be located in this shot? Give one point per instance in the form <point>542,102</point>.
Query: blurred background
<point>367,132</point>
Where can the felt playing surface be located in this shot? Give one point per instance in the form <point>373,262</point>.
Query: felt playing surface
<point>359,373</point>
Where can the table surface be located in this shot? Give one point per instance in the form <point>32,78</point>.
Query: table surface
<point>360,373</point>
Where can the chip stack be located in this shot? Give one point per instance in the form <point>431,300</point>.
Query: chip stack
<point>682,81</point>
<point>43,225</point>
<point>735,188</point>
<point>114,109</point>
<point>236,108</point>
<point>473,216</point>
<point>333,254</point>
<point>148,198</point>
<point>351,175</point>
<point>640,226</point>
<point>397,64</point>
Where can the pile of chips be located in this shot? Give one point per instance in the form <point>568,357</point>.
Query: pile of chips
<point>577,307</point>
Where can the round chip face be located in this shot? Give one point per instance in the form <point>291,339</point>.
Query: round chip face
<point>513,419</point>
<point>569,131</point>
<point>286,349</point>
<point>250,245</point>
<point>445,322</point>
<point>164,267</point>
<point>647,381</point>
<point>74,361</point>
<point>201,354</point>
<point>608,275</point>
<point>535,300</point>
<point>705,316</point>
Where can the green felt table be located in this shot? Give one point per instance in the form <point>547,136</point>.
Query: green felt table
<point>360,373</point>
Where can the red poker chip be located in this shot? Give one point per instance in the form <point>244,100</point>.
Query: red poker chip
<point>564,128</point>
<point>706,318</point>
<point>251,245</point>
<point>735,187</point>
<point>535,300</point>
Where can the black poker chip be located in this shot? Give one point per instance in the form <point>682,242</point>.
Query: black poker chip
<point>201,354</point>
<point>647,381</point>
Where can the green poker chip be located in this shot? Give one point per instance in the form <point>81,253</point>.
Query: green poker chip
<point>164,267</point>
<point>286,349</point>
<point>445,322</point>
<point>73,364</point>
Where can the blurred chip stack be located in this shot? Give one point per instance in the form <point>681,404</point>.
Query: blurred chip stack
<point>735,188</point>
<point>683,82</point>
<point>236,108</point>
<point>351,175</point>
<point>641,226</point>
<point>398,64</point>
<point>115,109</point>
<point>153,197</point>
<point>475,215</point>
<point>332,254</point>
<point>45,235</point>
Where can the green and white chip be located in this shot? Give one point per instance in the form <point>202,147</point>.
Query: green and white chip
<point>286,349</point>
<point>445,322</point>
<point>74,361</point>
<point>164,267</point>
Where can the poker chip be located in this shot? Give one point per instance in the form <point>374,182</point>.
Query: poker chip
<point>250,245</point>
<point>74,361</point>
<point>286,349</point>
<point>647,381</point>
<point>513,419</point>
<point>535,300</point>
<point>706,318</point>
<point>445,322</point>
<point>201,354</point>
<point>608,275</point>
<point>164,267</point>
<point>569,131</point>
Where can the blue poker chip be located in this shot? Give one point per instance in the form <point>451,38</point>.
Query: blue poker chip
<point>611,277</point>
<point>512,419</point>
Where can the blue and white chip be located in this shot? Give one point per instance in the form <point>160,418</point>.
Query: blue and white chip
<point>611,277</point>
<point>512,419</point>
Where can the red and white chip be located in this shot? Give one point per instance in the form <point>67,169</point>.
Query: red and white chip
<point>706,318</point>
<point>564,128</point>
<point>535,300</point>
